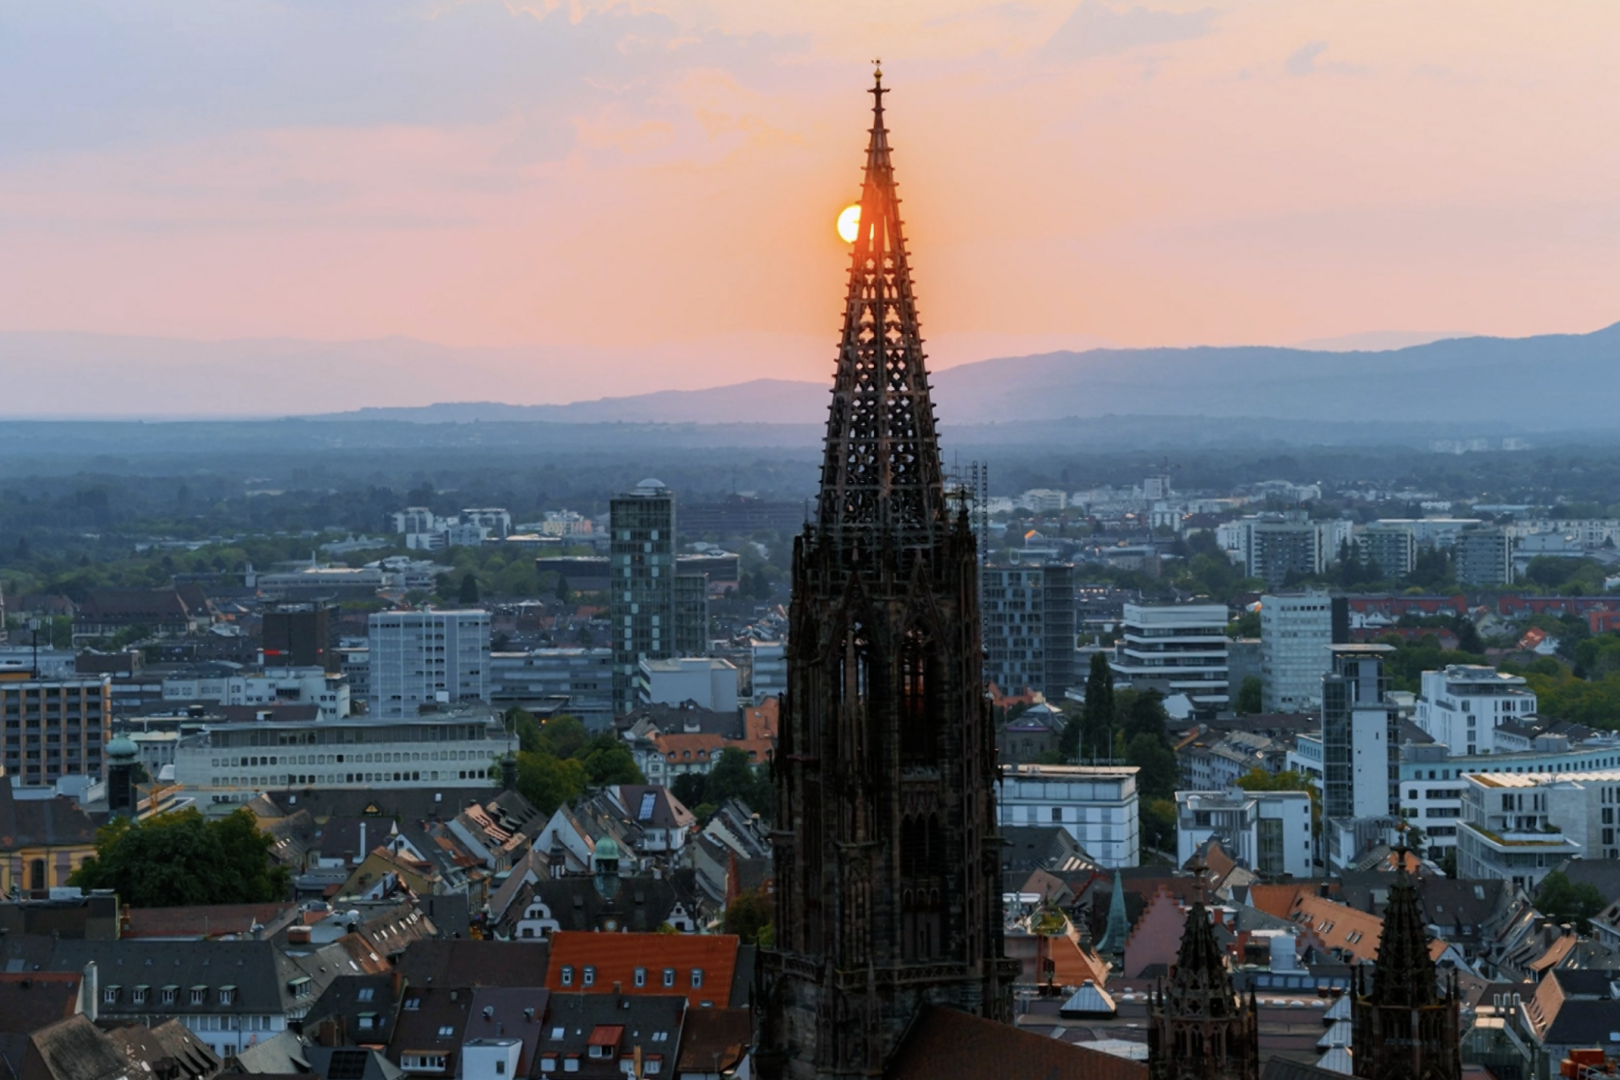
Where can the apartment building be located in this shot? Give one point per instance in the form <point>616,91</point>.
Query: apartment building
<point>1295,632</point>
<point>430,658</point>
<point>1463,705</point>
<point>53,727</point>
<point>1175,649</point>
<point>1267,831</point>
<point>1029,627</point>
<point>1095,804</point>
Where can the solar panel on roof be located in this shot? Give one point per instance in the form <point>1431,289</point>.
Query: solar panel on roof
<point>648,801</point>
<point>347,1065</point>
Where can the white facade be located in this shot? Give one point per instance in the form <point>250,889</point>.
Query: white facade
<point>426,657</point>
<point>1519,827</point>
<point>1463,705</point>
<point>1095,804</point>
<point>770,669</point>
<point>540,678</point>
<point>1175,649</point>
<point>280,686</point>
<point>1267,831</point>
<point>1295,632</point>
<point>710,682</point>
<point>454,749</point>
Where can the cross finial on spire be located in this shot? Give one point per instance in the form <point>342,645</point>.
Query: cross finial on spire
<point>877,69</point>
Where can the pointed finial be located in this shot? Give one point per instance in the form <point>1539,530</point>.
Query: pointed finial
<point>877,69</point>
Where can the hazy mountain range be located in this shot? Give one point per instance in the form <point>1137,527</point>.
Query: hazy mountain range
<point>1493,386</point>
<point>1553,382</point>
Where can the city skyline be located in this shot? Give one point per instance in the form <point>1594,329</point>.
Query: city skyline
<point>605,193</point>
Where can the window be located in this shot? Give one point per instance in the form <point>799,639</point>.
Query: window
<point>548,1064</point>
<point>169,993</point>
<point>412,1004</point>
<point>652,1067</point>
<point>139,996</point>
<point>641,976</point>
<point>697,977</point>
<point>199,994</point>
<point>500,1068</point>
<point>589,978</point>
<point>227,995</point>
<point>568,975</point>
<point>571,1064</point>
<point>110,995</point>
<point>447,1031</point>
<point>1057,813</point>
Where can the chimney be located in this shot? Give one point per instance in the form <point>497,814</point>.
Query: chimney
<point>90,993</point>
<point>361,857</point>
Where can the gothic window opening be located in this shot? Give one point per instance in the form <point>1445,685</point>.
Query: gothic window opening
<point>917,736</point>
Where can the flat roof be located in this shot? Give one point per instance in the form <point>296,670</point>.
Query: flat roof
<point>1539,779</point>
<point>1361,647</point>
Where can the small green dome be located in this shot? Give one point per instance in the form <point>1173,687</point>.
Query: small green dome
<point>122,751</point>
<point>606,849</point>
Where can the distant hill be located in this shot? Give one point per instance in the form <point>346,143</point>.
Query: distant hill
<point>1554,382</point>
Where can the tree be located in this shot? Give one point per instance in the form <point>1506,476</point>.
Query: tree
<point>688,788</point>
<point>181,859</point>
<point>526,728</point>
<point>608,760</point>
<point>1090,731</point>
<point>1564,901</point>
<point>469,590</point>
<point>563,736</point>
<point>1249,701</point>
<point>1142,713</point>
<point>750,916</point>
<point>562,587</point>
<point>548,781</point>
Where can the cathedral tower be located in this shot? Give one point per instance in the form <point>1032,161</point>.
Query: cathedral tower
<point>1198,1026</point>
<point>1405,1029</point>
<point>887,853</point>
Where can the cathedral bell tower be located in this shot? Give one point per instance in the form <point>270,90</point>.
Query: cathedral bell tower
<point>888,861</point>
<point>1199,1028</point>
<point>1404,1028</point>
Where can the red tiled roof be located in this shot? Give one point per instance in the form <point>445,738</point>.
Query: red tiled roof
<point>615,958</point>
<point>212,920</point>
<point>606,1035</point>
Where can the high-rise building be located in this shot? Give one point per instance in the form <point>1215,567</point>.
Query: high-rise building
<point>656,613</point>
<point>1175,649</point>
<point>422,658</point>
<point>1462,706</point>
<point>1029,627</point>
<point>1360,746</point>
<point>53,727</point>
<point>888,890</point>
<point>1392,547</point>
<point>1295,632</point>
<point>1483,555</point>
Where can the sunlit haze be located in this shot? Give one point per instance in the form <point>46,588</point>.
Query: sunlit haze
<point>651,186</point>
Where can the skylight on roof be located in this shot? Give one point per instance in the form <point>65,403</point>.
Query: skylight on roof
<point>648,801</point>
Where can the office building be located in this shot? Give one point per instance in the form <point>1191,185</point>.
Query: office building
<point>1463,705</point>
<point>1267,831</point>
<point>226,684</point>
<point>53,727</point>
<point>1175,649</point>
<point>1483,555</point>
<point>1029,629</point>
<point>1095,804</point>
<point>454,748</point>
<point>299,635</point>
<point>427,658</point>
<point>1274,546</point>
<point>657,613</point>
<point>575,681</point>
<point>1360,750</point>
<point>709,682</point>
<point>1295,632</point>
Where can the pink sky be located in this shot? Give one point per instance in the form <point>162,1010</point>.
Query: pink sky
<point>653,184</point>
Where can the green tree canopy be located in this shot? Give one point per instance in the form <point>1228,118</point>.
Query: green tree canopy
<point>1249,700</point>
<point>180,859</point>
<point>751,916</point>
<point>1564,901</point>
<point>1289,780</point>
<point>468,593</point>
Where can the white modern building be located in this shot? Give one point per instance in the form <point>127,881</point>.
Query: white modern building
<point>1295,632</point>
<point>456,748</point>
<point>1463,705</point>
<point>1175,649</point>
<point>1267,831</point>
<point>769,659</point>
<point>425,658</point>
<point>1096,804</point>
<point>279,686</point>
<point>710,682</point>
<point>1519,826</point>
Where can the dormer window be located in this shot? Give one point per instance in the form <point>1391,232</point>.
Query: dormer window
<point>697,978</point>
<point>227,995</point>
<point>669,977</point>
<point>140,994</point>
<point>109,995</point>
<point>590,977</point>
<point>199,995</point>
<point>169,994</point>
<point>568,975</point>
<point>641,976</point>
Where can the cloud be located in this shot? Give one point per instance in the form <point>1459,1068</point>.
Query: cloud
<point>1303,60</point>
<point>1095,29</point>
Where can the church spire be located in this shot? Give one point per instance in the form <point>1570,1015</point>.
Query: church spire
<point>1198,1027</point>
<point>882,469</point>
<point>1404,973</point>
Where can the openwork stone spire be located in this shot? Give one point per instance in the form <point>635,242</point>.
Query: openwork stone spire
<point>1405,1027</point>
<point>882,469</point>
<point>1404,974</point>
<point>1199,1028</point>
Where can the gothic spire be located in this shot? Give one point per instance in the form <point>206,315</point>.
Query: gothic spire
<point>1118,927</point>
<point>881,474</point>
<point>1404,973</point>
<point>1200,978</point>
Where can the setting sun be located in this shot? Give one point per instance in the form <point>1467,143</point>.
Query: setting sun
<point>849,223</point>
